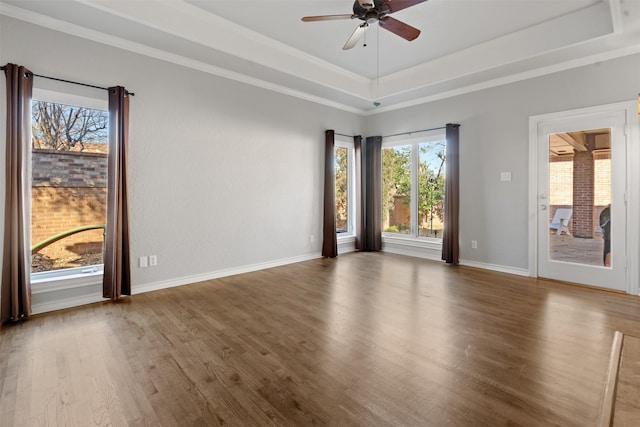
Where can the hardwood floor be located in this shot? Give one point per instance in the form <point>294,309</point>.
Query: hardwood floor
<point>627,403</point>
<point>366,339</point>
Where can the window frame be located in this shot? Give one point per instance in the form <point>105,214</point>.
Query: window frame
<point>428,137</point>
<point>351,188</point>
<point>68,278</point>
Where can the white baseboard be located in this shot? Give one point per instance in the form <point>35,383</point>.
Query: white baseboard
<point>412,253</point>
<point>496,267</point>
<point>61,304</point>
<point>55,299</point>
<point>148,287</point>
<point>346,245</point>
<point>436,255</point>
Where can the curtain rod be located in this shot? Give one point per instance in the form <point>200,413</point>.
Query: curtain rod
<point>69,81</point>
<point>415,131</point>
<point>342,134</point>
<point>403,133</point>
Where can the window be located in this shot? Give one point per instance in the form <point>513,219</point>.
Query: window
<point>345,188</point>
<point>68,185</point>
<point>413,175</point>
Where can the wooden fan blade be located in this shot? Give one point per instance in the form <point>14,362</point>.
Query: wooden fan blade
<point>326,17</point>
<point>355,37</point>
<point>399,28</point>
<point>396,5</point>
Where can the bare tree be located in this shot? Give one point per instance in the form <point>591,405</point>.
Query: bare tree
<point>63,127</point>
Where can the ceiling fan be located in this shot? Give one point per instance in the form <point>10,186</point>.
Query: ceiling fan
<point>371,11</point>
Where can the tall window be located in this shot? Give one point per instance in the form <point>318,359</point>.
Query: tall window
<point>345,188</point>
<point>69,187</point>
<point>413,175</point>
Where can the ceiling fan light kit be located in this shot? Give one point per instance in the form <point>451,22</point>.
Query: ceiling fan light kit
<point>372,11</point>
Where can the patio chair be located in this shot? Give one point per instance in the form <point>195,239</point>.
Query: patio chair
<point>560,221</point>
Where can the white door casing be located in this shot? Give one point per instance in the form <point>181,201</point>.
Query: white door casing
<point>622,120</point>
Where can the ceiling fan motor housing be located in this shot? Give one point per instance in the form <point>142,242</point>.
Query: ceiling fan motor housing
<point>371,17</point>
<point>371,11</point>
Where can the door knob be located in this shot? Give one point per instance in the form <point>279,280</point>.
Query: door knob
<point>543,207</point>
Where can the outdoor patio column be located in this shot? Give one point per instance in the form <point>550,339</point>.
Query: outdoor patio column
<point>583,190</point>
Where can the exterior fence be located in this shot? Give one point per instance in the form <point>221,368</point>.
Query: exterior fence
<point>69,190</point>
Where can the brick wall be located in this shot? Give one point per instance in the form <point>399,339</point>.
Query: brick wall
<point>583,197</point>
<point>69,190</point>
<point>561,182</point>
<point>69,169</point>
<point>602,177</point>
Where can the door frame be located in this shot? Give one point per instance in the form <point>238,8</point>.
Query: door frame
<point>632,195</point>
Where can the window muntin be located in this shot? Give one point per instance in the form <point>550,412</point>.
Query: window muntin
<point>413,175</point>
<point>68,184</point>
<point>345,188</point>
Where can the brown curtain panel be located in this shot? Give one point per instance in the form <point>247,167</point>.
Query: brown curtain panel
<point>16,265</point>
<point>357,162</point>
<point>329,237</point>
<point>450,244</point>
<point>372,195</point>
<point>117,267</point>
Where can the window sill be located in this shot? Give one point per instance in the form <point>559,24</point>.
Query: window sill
<point>411,246</point>
<point>69,279</point>
<point>346,243</point>
<point>345,236</point>
<point>418,242</point>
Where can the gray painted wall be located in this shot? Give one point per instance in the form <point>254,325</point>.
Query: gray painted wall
<point>225,175</point>
<point>222,174</point>
<point>494,138</point>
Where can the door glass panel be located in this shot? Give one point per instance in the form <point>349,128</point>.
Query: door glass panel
<point>580,197</point>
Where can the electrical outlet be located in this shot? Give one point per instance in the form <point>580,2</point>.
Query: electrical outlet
<point>474,244</point>
<point>153,260</point>
<point>142,262</point>
<point>312,238</point>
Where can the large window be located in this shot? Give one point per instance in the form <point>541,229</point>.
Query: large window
<point>413,175</point>
<point>345,188</point>
<point>68,185</point>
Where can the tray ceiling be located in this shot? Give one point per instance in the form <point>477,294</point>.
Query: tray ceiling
<point>464,45</point>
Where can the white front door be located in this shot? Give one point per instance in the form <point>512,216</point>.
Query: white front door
<point>581,190</point>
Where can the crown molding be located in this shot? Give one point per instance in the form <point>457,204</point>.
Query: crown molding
<point>605,34</point>
<point>188,22</point>
<point>114,41</point>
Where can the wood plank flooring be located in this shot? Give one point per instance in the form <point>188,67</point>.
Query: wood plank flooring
<point>627,402</point>
<point>366,339</point>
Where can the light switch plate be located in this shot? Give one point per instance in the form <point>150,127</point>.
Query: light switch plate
<point>505,176</point>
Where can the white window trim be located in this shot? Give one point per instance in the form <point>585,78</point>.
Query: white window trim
<point>69,278</point>
<point>58,280</point>
<point>413,241</point>
<point>351,191</point>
